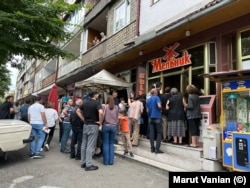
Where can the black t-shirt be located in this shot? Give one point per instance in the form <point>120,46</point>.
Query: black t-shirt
<point>5,110</point>
<point>90,111</point>
<point>164,98</point>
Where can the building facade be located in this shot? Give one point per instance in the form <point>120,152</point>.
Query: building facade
<point>210,35</point>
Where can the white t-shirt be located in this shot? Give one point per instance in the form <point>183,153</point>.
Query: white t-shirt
<point>51,116</point>
<point>35,113</point>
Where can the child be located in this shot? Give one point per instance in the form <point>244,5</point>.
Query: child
<point>124,128</point>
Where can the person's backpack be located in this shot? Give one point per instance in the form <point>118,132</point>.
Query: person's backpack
<point>74,120</point>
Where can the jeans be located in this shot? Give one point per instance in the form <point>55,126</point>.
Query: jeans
<point>89,137</point>
<point>65,136</point>
<point>36,144</point>
<point>108,139</point>
<point>49,136</point>
<point>155,125</point>
<point>76,139</point>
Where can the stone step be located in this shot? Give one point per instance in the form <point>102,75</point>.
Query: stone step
<point>179,162</point>
<point>149,162</point>
<point>189,152</point>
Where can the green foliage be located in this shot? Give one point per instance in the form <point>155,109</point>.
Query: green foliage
<point>27,28</point>
<point>5,80</point>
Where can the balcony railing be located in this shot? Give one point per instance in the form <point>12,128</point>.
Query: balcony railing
<point>113,44</point>
<point>50,79</point>
<point>68,67</point>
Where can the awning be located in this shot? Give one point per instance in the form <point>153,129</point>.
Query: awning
<point>103,80</point>
<point>228,75</point>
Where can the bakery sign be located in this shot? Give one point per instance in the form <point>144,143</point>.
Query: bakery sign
<point>171,59</point>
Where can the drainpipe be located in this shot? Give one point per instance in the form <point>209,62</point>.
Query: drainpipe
<point>137,30</point>
<point>194,16</point>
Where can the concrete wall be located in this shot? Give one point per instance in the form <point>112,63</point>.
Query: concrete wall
<point>164,12</point>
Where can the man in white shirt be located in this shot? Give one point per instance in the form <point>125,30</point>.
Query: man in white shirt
<point>37,119</point>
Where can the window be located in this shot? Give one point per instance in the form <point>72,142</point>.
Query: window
<point>245,49</point>
<point>122,16</point>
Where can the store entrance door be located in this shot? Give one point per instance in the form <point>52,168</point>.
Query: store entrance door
<point>172,81</point>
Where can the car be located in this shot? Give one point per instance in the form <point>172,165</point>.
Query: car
<point>14,135</point>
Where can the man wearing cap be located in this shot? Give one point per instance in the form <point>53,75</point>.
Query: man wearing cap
<point>37,119</point>
<point>93,116</point>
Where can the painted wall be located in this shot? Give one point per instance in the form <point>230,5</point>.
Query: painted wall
<point>164,12</point>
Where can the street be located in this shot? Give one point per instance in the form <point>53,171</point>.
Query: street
<point>57,170</point>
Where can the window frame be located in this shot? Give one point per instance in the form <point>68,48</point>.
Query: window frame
<point>126,16</point>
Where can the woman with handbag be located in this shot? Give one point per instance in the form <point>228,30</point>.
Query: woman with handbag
<point>109,130</point>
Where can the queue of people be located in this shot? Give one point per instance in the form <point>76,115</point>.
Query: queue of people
<point>157,117</point>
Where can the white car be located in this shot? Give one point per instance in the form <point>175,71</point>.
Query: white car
<point>14,135</point>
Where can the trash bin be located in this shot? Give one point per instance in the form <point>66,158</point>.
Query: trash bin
<point>212,143</point>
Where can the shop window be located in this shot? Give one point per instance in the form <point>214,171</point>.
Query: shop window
<point>212,53</point>
<point>122,16</point>
<point>197,56</point>
<point>212,84</point>
<point>197,80</point>
<point>245,43</point>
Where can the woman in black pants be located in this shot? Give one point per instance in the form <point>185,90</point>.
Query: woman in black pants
<point>61,121</point>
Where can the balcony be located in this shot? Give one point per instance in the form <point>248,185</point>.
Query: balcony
<point>38,86</point>
<point>49,80</point>
<point>68,67</point>
<point>112,45</point>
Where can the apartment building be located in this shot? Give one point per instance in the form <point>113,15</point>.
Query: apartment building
<point>202,35</point>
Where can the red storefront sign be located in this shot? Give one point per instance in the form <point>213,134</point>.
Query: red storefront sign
<point>141,80</point>
<point>171,59</point>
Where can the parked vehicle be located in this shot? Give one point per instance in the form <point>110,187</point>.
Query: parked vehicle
<point>14,135</point>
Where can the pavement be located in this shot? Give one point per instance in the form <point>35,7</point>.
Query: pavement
<point>57,170</point>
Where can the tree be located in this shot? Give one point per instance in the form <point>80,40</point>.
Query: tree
<point>27,28</point>
<point>5,80</point>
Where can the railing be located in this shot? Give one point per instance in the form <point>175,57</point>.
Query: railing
<point>113,44</point>
<point>38,86</point>
<point>68,67</point>
<point>50,79</point>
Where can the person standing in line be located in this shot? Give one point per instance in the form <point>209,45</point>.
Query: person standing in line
<point>7,109</point>
<point>66,126</point>
<point>193,112</point>
<point>93,116</point>
<point>144,116</point>
<point>154,112</point>
<point>124,128</point>
<point>61,118</point>
<point>51,116</point>
<point>109,130</point>
<point>176,116</point>
<point>24,111</point>
<point>38,121</point>
<point>135,111</point>
<point>77,122</point>
<point>16,110</point>
<point>164,98</point>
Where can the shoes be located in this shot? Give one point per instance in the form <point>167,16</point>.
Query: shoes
<point>90,168</point>
<point>164,140</point>
<point>175,143</point>
<point>152,150</point>
<point>46,147</point>
<point>131,155</point>
<point>158,151</point>
<point>83,165</point>
<point>134,145</point>
<point>192,146</point>
<point>111,163</point>
<point>125,154</point>
<point>32,156</point>
<point>72,156</point>
<point>38,156</point>
<point>41,149</point>
<point>78,158</point>
<point>65,151</point>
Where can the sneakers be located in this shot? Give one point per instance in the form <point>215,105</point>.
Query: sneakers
<point>38,156</point>
<point>158,151</point>
<point>131,154</point>
<point>125,154</point>
<point>41,149</point>
<point>46,147</point>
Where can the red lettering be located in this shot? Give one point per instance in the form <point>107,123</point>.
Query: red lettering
<point>141,81</point>
<point>156,63</point>
<point>142,75</point>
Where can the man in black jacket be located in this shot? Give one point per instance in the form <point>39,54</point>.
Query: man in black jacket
<point>6,108</point>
